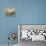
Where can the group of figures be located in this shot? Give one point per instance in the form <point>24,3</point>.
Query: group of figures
<point>28,34</point>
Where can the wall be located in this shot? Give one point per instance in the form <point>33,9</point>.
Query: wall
<point>33,27</point>
<point>27,12</point>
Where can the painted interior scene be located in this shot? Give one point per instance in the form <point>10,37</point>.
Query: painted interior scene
<point>31,33</point>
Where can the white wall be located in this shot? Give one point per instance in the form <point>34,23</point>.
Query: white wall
<point>33,27</point>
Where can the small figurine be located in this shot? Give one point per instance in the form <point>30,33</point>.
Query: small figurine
<point>12,36</point>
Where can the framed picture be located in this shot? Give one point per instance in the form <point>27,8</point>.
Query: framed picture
<point>10,11</point>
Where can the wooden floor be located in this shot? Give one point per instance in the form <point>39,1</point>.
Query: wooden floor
<point>30,43</point>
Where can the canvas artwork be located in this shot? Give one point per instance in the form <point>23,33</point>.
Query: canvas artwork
<point>10,11</point>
